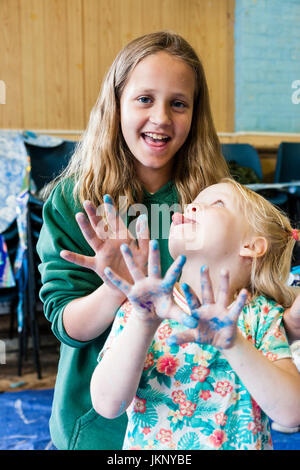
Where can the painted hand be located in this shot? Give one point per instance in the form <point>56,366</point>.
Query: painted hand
<point>151,296</point>
<point>105,234</point>
<point>216,323</point>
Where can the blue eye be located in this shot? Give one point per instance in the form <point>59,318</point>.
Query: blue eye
<point>144,99</point>
<point>179,104</point>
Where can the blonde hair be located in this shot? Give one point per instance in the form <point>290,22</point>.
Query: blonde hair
<point>270,272</point>
<point>102,163</point>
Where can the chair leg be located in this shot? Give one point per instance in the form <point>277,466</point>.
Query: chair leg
<point>13,306</point>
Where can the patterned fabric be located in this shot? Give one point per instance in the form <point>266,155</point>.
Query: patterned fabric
<point>189,397</point>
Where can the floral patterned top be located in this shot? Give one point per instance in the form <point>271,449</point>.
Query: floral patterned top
<point>189,397</point>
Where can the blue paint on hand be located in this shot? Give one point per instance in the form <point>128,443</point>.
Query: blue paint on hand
<point>107,199</point>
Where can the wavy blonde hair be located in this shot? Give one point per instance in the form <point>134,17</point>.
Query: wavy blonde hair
<point>102,163</point>
<point>270,272</point>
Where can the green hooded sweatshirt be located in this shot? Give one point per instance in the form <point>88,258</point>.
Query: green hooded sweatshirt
<point>74,424</point>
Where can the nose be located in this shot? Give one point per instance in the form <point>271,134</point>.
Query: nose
<point>160,114</point>
<point>194,208</point>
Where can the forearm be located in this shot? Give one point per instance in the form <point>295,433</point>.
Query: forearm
<point>275,390</point>
<point>87,317</point>
<point>292,328</point>
<point>116,378</point>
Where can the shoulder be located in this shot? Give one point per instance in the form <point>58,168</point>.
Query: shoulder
<point>62,198</point>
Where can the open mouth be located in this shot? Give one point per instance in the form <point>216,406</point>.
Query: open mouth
<point>152,138</point>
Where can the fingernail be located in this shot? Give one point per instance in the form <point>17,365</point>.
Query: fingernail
<point>182,259</point>
<point>154,244</point>
<point>203,268</point>
<point>107,199</point>
<point>124,247</point>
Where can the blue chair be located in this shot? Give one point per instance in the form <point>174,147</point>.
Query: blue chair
<point>288,163</point>
<point>246,155</point>
<point>48,162</point>
<point>288,170</point>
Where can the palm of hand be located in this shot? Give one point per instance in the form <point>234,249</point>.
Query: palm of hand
<point>105,235</point>
<point>150,299</point>
<point>216,326</point>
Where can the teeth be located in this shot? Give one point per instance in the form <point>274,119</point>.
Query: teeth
<point>156,136</point>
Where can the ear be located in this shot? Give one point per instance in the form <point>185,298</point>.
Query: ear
<point>255,248</point>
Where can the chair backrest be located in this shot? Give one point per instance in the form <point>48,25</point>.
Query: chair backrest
<point>48,162</point>
<point>288,162</point>
<point>243,154</point>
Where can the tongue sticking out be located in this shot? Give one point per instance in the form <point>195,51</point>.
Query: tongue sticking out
<point>178,219</point>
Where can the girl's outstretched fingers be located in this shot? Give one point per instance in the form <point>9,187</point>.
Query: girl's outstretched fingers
<point>133,269</point>
<point>154,269</point>
<point>173,274</point>
<point>191,298</point>
<point>207,293</point>
<point>117,281</point>
<point>223,293</point>
<point>238,305</point>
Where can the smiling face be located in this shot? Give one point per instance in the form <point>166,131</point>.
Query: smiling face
<point>156,111</point>
<point>212,226</point>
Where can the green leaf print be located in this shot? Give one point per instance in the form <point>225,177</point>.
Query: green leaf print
<point>148,418</point>
<point>189,441</point>
<point>155,397</point>
<point>184,374</point>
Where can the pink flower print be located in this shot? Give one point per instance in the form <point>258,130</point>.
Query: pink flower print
<point>187,408</point>
<point>205,395</point>
<point>217,438</point>
<point>223,388</point>
<point>199,373</point>
<point>178,396</point>
<point>221,418</point>
<point>126,307</point>
<point>271,356</point>
<point>149,361</point>
<point>164,436</point>
<point>167,364</point>
<point>164,332</point>
<point>265,309</point>
<point>139,405</point>
<point>184,345</point>
<point>146,430</point>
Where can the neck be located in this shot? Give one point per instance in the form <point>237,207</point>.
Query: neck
<point>153,178</point>
<point>239,275</point>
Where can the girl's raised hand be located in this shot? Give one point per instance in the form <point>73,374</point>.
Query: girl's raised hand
<point>216,323</point>
<point>105,235</point>
<point>151,296</point>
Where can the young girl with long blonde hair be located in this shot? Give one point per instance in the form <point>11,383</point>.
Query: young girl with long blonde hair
<point>205,372</point>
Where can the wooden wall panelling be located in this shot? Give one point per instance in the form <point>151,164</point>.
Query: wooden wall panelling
<point>33,75</point>
<point>55,53</point>
<point>11,113</point>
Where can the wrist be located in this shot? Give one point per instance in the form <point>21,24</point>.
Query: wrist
<point>235,345</point>
<point>113,293</point>
<point>146,327</point>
